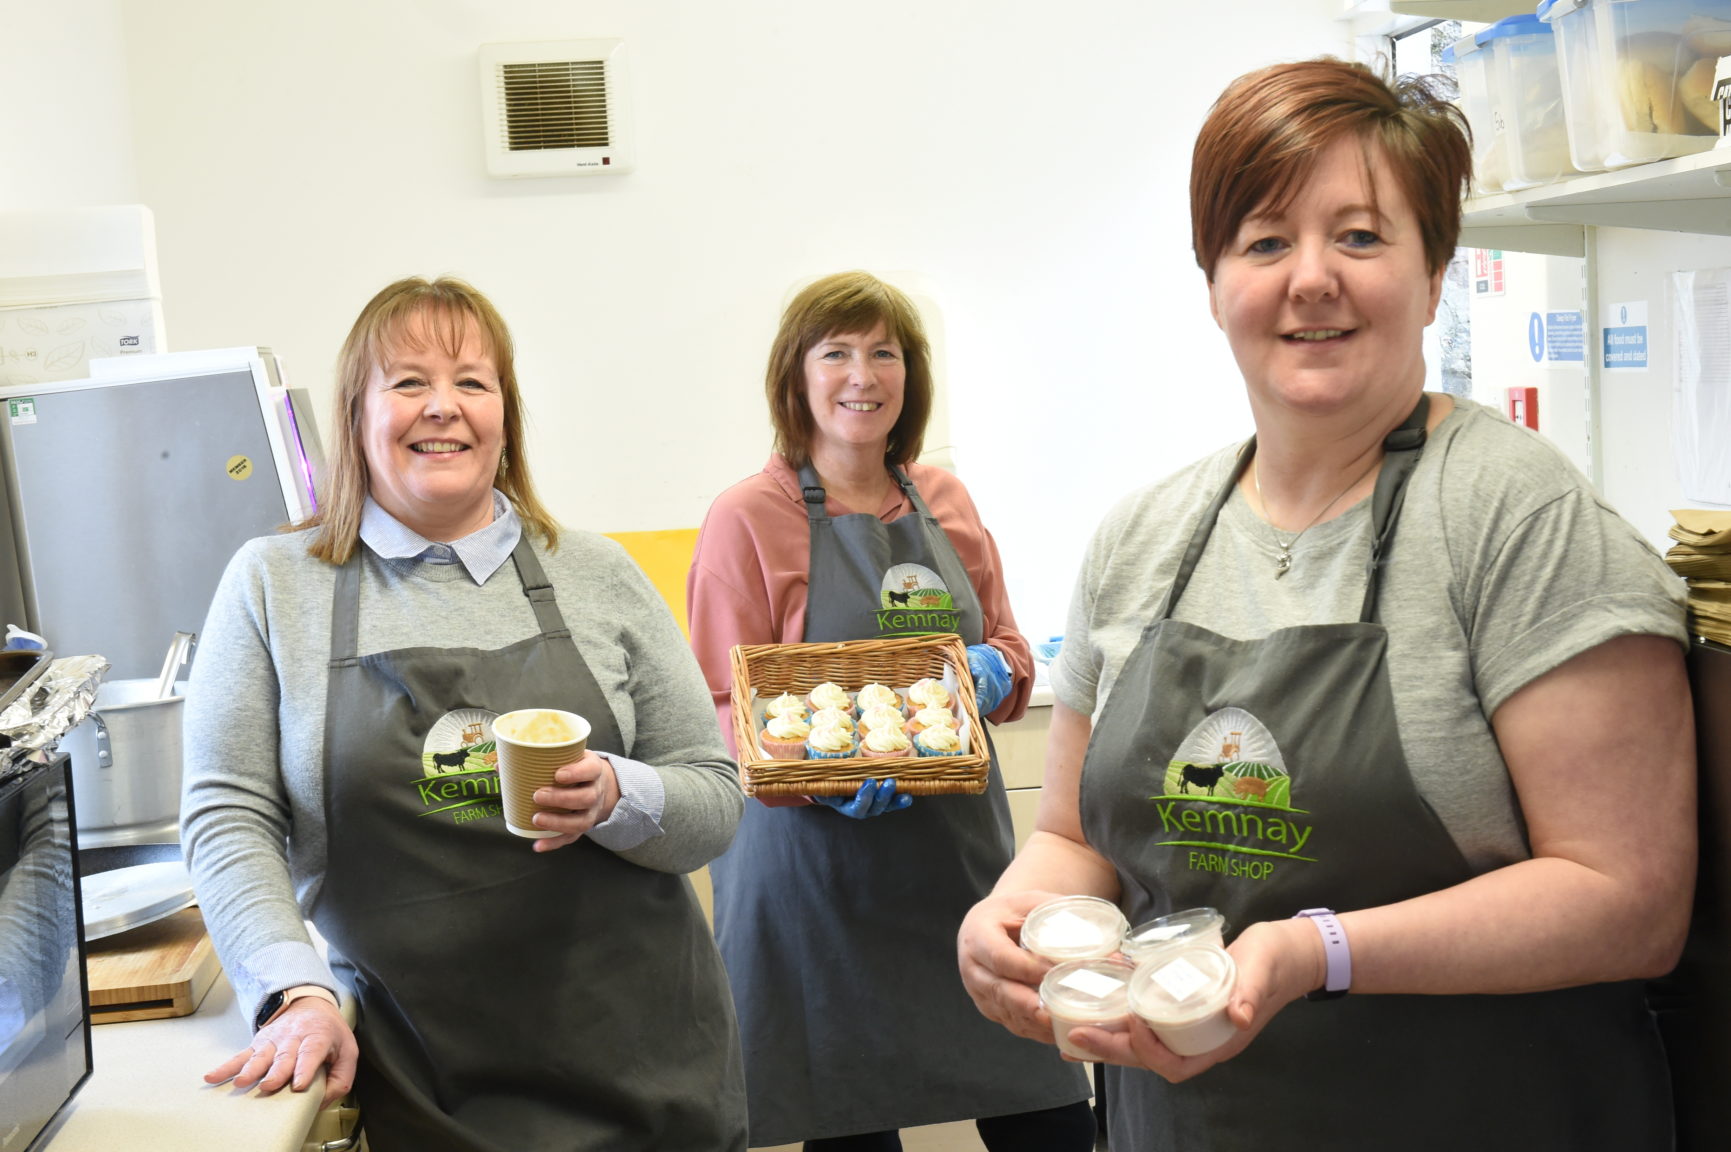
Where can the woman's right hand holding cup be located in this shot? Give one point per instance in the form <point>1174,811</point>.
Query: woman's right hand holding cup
<point>1002,977</point>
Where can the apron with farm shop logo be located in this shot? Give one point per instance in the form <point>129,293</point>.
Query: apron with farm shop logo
<point>839,934</point>
<point>509,999</point>
<point>1265,776</point>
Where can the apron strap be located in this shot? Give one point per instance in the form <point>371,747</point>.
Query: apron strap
<point>812,490</point>
<point>345,610</point>
<point>912,493</point>
<point>540,593</point>
<point>1401,450</point>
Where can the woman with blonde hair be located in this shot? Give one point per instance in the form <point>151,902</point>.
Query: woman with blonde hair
<point>340,768</point>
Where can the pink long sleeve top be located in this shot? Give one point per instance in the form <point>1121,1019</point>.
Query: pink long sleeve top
<point>750,575</point>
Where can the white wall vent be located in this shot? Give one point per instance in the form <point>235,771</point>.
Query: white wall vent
<point>556,108</point>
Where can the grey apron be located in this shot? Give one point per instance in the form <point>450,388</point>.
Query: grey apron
<point>1266,776</point>
<point>839,934</point>
<point>509,999</point>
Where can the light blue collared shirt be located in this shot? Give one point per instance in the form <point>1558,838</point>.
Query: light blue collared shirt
<point>642,797</point>
<point>481,552</point>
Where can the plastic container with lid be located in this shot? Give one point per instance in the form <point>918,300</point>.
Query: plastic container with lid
<point>1490,143</point>
<point>1194,925</point>
<point>1637,76</point>
<point>1527,97</point>
<point>1074,928</point>
<point>1182,993</point>
<point>1087,994</point>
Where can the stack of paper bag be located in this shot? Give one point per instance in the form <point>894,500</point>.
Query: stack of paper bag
<point>1702,556</point>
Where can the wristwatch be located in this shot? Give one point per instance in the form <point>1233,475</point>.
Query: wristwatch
<point>1334,950</point>
<point>275,1002</point>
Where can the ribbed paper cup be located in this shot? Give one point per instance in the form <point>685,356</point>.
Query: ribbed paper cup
<point>534,743</point>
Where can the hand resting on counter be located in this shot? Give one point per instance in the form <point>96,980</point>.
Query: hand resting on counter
<point>289,1051</point>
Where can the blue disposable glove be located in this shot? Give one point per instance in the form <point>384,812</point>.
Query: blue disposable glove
<point>873,799</point>
<point>991,676</point>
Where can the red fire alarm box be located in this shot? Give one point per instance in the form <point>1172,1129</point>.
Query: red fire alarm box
<point>1524,406</point>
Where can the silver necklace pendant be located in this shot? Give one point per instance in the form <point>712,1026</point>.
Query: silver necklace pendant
<point>1282,562</point>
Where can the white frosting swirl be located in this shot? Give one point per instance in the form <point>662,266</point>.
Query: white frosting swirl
<point>878,696</point>
<point>940,739</point>
<point>887,740</point>
<point>832,718</point>
<point>787,704</point>
<point>829,695</point>
<point>831,739</point>
<point>929,693</point>
<point>787,729</point>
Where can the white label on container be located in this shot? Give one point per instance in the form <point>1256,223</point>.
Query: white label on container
<point>1180,978</point>
<point>1064,929</point>
<point>1165,932</point>
<point>1091,983</point>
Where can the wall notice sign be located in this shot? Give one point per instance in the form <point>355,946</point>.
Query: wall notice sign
<point>1625,345</point>
<point>21,410</point>
<point>1487,272</point>
<point>1565,338</point>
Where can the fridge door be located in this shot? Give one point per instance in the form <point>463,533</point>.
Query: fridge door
<point>128,497</point>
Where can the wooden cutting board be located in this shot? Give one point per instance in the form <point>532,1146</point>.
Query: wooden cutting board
<point>159,969</point>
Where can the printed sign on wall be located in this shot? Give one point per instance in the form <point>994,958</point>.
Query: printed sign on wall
<point>1625,343</point>
<point>1487,272</point>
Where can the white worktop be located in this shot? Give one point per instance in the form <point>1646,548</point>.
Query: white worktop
<point>146,1091</point>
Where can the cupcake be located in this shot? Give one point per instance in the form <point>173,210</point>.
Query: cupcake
<point>829,743</point>
<point>881,717</point>
<point>927,694</point>
<point>783,738</point>
<point>832,718</point>
<point>877,696</point>
<point>881,742</point>
<point>830,695</point>
<point>931,717</point>
<point>938,741</point>
<point>787,704</point>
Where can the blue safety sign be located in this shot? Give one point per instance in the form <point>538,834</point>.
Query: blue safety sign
<point>1625,339</point>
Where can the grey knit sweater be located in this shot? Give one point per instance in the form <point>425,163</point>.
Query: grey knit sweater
<point>252,810</point>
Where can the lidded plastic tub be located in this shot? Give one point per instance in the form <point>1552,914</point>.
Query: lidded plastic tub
<point>1527,98</point>
<point>1194,925</point>
<point>1074,928</point>
<point>1637,76</point>
<point>1490,143</point>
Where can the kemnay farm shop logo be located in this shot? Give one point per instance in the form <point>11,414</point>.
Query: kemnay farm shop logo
<point>915,600</point>
<point>460,767</point>
<point>1227,800</point>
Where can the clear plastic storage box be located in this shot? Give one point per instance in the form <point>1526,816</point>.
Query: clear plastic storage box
<point>1638,76</point>
<point>1527,100</point>
<point>1490,145</point>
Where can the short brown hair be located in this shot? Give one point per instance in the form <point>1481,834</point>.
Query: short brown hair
<point>1262,138</point>
<point>844,304</point>
<point>444,307</point>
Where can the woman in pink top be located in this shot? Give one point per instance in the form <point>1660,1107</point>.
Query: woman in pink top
<point>839,934</point>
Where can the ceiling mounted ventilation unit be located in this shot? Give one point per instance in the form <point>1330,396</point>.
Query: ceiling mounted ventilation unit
<point>555,108</point>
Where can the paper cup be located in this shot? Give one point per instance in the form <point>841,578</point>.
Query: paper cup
<point>533,744</point>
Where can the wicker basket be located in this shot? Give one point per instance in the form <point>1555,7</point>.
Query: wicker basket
<point>764,671</point>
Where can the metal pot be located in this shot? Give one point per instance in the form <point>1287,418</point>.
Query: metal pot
<point>126,764</point>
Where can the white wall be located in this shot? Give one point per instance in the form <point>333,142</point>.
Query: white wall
<point>1635,407</point>
<point>1026,161</point>
<point>66,138</point>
